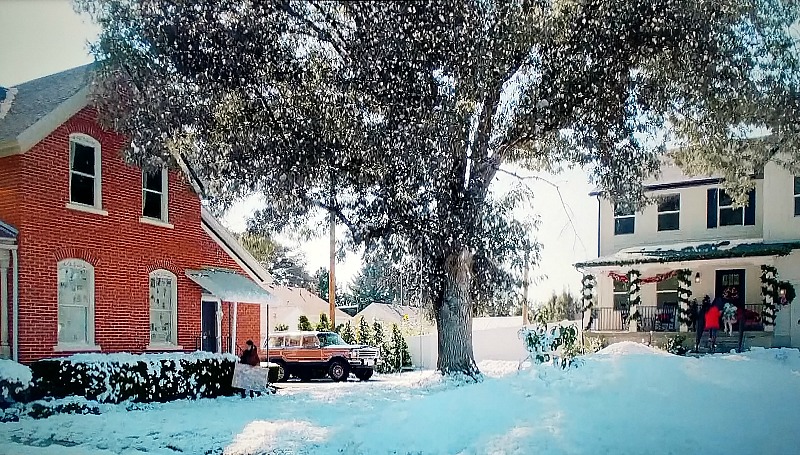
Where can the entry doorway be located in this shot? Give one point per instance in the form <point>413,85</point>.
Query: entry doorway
<point>730,283</point>
<point>209,335</point>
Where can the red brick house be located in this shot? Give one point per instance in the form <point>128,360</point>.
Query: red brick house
<point>97,255</point>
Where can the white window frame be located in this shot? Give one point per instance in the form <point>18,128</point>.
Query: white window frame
<point>669,212</point>
<point>88,141</point>
<point>620,217</point>
<point>667,291</point>
<point>721,207</point>
<point>615,293</point>
<point>89,344</point>
<point>161,273</point>
<point>796,199</point>
<point>164,220</point>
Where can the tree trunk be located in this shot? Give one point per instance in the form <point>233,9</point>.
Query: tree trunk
<point>454,318</point>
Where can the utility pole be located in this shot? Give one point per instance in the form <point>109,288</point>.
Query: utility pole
<point>332,274</point>
<point>525,291</point>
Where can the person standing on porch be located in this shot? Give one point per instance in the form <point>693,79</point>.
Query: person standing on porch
<point>700,322</point>
<point>729,317</point>
<point>712,325</point>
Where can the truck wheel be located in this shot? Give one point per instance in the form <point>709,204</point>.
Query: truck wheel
<point>364,375</point>
<point>338,370</point>
<point>283,375</point>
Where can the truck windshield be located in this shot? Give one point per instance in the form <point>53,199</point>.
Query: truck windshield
<point>330,339</point>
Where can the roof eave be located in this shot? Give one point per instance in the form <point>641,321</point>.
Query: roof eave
<point>52,120</point>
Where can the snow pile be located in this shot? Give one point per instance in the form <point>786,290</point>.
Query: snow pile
<point>631,348</point>
<point>626,400</point>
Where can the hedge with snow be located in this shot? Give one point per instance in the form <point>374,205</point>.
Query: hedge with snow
<point>15,382</point>
<point>113,378</point>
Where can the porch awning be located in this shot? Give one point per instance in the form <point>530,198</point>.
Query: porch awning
<point>230,286</point>
<point>7,231</point>
<point>697,251</point>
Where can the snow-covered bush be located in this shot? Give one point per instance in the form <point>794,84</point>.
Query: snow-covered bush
<point>112,378</point>
<point>558,345</point>
<point>593,344</point>
<point>15,383</point>
<point>674,345</point>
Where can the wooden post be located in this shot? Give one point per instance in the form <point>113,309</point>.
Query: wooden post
<point>332,274</point>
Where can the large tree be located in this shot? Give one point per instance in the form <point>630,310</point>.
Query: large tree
<point>396,117</point>
<point>288,267</point>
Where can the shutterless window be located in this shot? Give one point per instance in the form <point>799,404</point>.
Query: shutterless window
<point>729,216</point>
<point>84,170</point>
<point>163,308</point>
<point>75,302</point>
<point>624,220</point>
<point>154,195</point>
<point>797,196</point>
<point>621,298</point>
<point>669,212</point>
<point>667,292</point>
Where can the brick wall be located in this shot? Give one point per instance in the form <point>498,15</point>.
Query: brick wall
<point>122,249</point>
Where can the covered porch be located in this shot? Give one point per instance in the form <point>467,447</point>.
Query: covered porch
<point>660,289</point>
<point>9,289</point>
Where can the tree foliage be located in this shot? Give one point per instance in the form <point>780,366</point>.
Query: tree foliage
<point>396,117</point>
<point>364,333</point>
<point>287,267</point>
<point>304,324</point>
<point>557,308</point>
<point>324,324</point>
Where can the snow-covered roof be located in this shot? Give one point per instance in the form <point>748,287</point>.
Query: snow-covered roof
<point>308,303</point>
<point>496,322</point>
<point>390,312</point>
<point>230,286</point>
<point>693,251</point>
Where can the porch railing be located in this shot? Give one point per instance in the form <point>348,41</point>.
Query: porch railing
<point>609,319</point>
<point>664,319</point>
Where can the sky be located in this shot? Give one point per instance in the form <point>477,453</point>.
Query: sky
<point>42,37</point>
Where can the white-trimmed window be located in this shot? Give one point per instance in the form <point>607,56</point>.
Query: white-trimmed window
<point>667,292</point>
<point>797,195</point>
<point>75,303</point>
<point>728,215</point>
<point>669,212</point>
<point>624,220</point>
<point>84,171</point>
<point>621,295</point>
<point>154,195</point>
<point>163,308</point>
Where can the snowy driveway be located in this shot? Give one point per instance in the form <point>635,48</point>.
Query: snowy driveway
<point>629,400</point>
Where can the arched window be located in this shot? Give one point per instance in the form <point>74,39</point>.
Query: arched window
<point>163,308</point>
<point>75,303</point>
<point>84,171</point>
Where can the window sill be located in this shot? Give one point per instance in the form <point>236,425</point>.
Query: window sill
<point>163,347</point>
<point>155,222</point>
<point>86,208</point>
<point>76,348</point>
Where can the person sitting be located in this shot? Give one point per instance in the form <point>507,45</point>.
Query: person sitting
<point>250,355</point>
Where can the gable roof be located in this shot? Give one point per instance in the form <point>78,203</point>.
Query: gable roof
<point>306,301</point>
<point>34,100</point>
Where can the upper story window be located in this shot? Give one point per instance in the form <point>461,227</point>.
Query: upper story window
<point>797,196</point>
<point>75,302</point>
<point>669,212</point>
<point>624,220</point>
<point>84,171</point>
<point>721,212</point>
<point>163,308</point>
<point>154,195</point>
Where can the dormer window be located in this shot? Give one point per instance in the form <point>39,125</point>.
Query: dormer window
<point>84,171</point>
<point>154,195</point>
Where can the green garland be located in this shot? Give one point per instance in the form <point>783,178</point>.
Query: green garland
<point>769,293</point>
<point>634,299</point>
<point>587,291</point>
<point>685,315</point>
<point>789,289</point>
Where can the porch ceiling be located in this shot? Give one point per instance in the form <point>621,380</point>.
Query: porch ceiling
<point>697,251</point>
<point>230,286</point>
<point>8,233</point>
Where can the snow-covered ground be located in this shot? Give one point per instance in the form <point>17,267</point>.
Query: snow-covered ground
<point>627,399</point>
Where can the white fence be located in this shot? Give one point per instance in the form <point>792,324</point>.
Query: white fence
<point>501,343</point>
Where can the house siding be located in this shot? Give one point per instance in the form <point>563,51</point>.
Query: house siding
<point>121,248</point>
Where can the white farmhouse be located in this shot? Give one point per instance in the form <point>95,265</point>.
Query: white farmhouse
<point>693,239</point>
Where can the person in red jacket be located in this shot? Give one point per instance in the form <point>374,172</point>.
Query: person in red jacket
<point>712,325</point>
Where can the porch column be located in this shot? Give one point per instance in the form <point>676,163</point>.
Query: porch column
<point>219,327</point>
<point>5,348</point>
<point>234,318</point>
